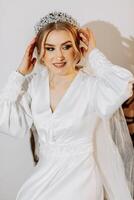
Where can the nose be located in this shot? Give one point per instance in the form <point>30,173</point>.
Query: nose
<point>59,55</point>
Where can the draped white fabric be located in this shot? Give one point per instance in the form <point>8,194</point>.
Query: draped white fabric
<point>114,148</point>
<point>79,142</point>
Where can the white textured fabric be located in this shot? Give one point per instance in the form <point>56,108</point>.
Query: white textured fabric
<point>71,165</point>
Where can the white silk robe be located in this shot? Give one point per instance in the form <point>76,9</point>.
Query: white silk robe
<point>67,168</point>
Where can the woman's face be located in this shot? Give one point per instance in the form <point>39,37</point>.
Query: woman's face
<point>60,55</point>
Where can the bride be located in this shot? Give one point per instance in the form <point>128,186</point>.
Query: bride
<point>81,128</point>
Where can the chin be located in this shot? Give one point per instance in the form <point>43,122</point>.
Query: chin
<point>59,70</point>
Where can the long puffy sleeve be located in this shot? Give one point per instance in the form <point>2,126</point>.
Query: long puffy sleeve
<point>15,101</point>
<point>113,147</point>
<point>111,85</point>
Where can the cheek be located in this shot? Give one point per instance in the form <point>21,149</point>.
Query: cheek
<point>71,54</point>
<point>48,57</point>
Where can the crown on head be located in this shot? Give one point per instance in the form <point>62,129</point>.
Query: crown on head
<point>54,17</point>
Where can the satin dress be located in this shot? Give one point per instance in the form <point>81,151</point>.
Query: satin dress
<point>67,168</point>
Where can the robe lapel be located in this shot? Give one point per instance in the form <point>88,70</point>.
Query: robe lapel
<point>66,100</point>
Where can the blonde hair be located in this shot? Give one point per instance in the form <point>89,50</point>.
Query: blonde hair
<point>44,32</point>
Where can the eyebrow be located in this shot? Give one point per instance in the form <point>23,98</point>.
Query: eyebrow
<point>61,44</point>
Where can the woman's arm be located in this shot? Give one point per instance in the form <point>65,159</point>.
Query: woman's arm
<point>112,84</point>
<point>15,105</point>
<point>15,98</point>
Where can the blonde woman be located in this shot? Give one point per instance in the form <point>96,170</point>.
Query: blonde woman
<point>71,110</point>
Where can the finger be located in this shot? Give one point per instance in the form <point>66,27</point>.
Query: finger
<point>83,51</point>
<point>85,36</point>
<point>31,50</point>
<point>84,39</point>
<point>32,43</point>
<point>33,40</point>
<point>85,33</point>
<point>83,30</point>
<point>89,33</point>
<point>82,44</point>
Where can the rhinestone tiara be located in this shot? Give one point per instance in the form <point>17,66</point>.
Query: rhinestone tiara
<point>54,17</point>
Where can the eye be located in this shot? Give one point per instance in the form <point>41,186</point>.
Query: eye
<point>67,46</point>
<point>49,48</point>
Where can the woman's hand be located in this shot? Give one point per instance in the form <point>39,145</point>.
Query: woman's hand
<point>28,61</point>
<point>87,41</point>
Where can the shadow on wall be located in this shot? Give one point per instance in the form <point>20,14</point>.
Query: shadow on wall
<point>119,50</point>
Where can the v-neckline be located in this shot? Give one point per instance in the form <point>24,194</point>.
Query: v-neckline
<point>65,94</point>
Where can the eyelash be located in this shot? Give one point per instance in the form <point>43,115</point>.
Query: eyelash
<point>67,47</point>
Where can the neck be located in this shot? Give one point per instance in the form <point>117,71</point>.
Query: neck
<point>57,79</point>
<point>61,77</point>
